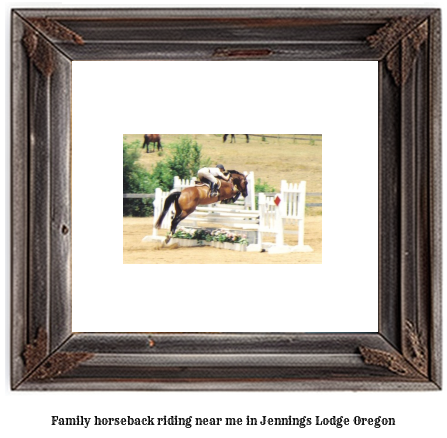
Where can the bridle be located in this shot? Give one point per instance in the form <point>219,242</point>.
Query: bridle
<point>240,176</point>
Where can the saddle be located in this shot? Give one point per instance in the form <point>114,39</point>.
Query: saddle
<point>207,183</point>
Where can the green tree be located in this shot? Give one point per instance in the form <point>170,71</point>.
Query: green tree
<point>136,179</point>
<point>187,158</point>
<point>184,161</point>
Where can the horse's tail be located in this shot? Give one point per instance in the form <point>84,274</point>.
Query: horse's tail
<point>169,200</point>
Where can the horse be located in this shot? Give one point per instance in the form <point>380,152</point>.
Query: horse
<point>152,138</point>
<point>187,200</point>
<point>233,137</point>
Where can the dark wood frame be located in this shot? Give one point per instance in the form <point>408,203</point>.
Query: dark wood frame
<point>405,354</point>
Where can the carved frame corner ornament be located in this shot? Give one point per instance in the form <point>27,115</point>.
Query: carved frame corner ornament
<point>394,362</point>
<point>37,41</point>
<point>416,348</point>
<point>412,363</point>
<point>41,366</point>
<point>36,352</point>
<point>410,35</point>
<point>405,353</point>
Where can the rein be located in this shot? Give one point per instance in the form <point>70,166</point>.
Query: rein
<point>235,187</point>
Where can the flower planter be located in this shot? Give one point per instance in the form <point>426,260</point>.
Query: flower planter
<point>187,242</point>
<point>239,247</point>
<point>187,237</point>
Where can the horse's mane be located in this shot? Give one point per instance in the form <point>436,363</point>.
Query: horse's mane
<point>235,171</point>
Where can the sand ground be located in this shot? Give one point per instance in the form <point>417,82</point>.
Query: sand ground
<point>137,252</point>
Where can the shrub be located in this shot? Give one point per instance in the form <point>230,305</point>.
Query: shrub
<point>162,176</point>
<point>136,179</point>
<point>263,187</point>
<point>184,161</point>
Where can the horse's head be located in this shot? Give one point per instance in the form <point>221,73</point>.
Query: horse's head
<point>240,181</point>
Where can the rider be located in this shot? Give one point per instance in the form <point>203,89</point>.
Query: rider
<point>210,173</point>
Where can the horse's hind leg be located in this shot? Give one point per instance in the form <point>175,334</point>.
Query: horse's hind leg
<point>179,216</point>
<point>177,219</point>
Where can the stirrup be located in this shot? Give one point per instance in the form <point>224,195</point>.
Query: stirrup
<point>213,190</point>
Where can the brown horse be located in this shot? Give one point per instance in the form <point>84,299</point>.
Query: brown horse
<point>233,138</point>
<point>187,200</point>
<point>152,138</point>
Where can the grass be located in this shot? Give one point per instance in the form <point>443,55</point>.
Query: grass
<point>271,161</point>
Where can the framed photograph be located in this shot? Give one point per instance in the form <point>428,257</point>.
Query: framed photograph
<point>52,150</point>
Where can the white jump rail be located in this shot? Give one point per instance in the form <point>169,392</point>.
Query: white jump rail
<point>270,217</point>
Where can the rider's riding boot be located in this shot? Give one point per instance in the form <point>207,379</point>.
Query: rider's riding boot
<point>214,189</point>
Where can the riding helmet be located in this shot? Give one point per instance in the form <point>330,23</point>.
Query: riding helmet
<point>220,166</point>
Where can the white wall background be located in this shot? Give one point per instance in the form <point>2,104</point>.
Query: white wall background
<point>417,414</point>
<point>337,99</point>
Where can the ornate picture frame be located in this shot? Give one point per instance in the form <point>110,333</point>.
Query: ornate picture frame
<point>405,353</point>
